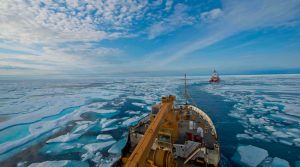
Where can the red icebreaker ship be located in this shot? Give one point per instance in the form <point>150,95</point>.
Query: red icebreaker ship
<point>215,77</point>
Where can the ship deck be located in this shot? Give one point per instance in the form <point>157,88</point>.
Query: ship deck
<point>188,126</point>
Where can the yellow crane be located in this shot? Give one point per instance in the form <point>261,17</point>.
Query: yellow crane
<point>167,118</point>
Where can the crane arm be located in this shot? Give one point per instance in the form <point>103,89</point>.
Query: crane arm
<point>139,156</point>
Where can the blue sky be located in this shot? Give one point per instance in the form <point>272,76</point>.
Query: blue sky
<point>94,37</point>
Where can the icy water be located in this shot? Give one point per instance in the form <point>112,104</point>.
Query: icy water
<point>84,122</point>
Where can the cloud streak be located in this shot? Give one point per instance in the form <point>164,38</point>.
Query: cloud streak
<point>236,17</point>
<point>177,19</point>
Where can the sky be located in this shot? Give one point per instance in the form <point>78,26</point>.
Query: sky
<point>102,37</point>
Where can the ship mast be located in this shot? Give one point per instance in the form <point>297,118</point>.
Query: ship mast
<point>186,95</point>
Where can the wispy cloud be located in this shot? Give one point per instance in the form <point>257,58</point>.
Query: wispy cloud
<point>238,16</point>
<point>211,15</point>
<point>59,59</point>
<point>168,5</point>
<point>177,19</point>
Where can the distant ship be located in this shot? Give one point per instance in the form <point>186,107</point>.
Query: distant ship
<point>214,77</point>
<point>172,135</point>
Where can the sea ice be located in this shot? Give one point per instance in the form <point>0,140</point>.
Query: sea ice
<point>81,128</point>
<point>118,146</point>
<point>297,142</point>
<point>109,128</point>
<point>22,164</point>
<point>249,155</point>
<point>62,163</point>
<point>42,108</point>
<point>107,113</point>
<point>280,134</point>
<point>285,142</point>
<point>270,128</point>
<point>83,122</point>
<point>108,161</point>
<point>64,138</point>
<point>259,136</point>
<point>97,105</point>
<point>292,109</point>
<point>255,121</point>
<point>104,137</point>
<point>272,109</point>
<point>243,136</point>
<point>139,104</point>
<point>277,162</point>
<point>97,157</point>
<point>107,122</point>
<point>92,156</point>
<point>133,112</point>
<point>133,120</point>
<point>93,147</point>
<point>61,148</point>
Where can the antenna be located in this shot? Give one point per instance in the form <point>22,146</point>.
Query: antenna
<point>186,95</point>
<point>185,89</point>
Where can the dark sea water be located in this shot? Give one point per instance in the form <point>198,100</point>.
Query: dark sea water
<point>84,122</point>
<point>228,127</point>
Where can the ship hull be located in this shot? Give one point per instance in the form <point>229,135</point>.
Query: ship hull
<point>214,80</point>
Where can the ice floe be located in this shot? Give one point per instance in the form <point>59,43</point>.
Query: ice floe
<point>61,148</point>
<point>82,128</point>
<point>249,155</point>
<point>93,147</point>
<point>79,130</point>
<point>101,112</point>
<point>297,142</point>
<point>110,128</point>
<point>133,112</point>
<point>107,122</point>
<point>139,104</point>
<point>244,136</point>
<point>107,112</point>
<point>108,161</point>
<point>64,138</point>
<point>277,162</point>
<point>62,163</point>
<point>22,164</point>
<point>118,146</point>
<point>95,157</point>
<point>133,120</point>
<point>104,137</point>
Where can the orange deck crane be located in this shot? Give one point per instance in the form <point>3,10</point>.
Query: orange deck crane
<point>167,118</point>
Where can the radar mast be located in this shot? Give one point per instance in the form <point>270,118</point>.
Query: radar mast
<point>186,94</point>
